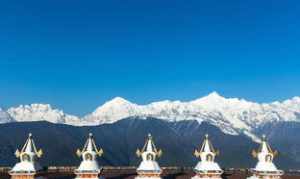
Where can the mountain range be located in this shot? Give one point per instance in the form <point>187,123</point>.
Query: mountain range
<point>232,115</point>
<point>119,126</point>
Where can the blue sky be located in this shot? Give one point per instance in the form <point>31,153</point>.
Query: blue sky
<point>77,54</point>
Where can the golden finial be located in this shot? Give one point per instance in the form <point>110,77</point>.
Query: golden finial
<point>197,153</point>
<point>275,153</point>
<point>78,152</point>
<point>100,152</point>
<point>217,152</point>
<point>39,153</point>
<point>254,153</point>
<point>17,153</point>
<point>138,153</point>
<point>159,153</point>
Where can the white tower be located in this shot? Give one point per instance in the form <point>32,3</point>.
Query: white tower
<point>265,168</point>
<point>207,168</point>
<point>89,168</point>
<point>28,167</point>
<point>149,168</point>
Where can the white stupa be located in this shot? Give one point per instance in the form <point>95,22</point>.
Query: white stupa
<point>265,168</point>
<point>149,168</point>
<point>207,168</point>
<point>89,168</point>
<point>28,167</point>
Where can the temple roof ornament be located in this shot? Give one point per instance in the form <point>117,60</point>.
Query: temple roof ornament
<point>149,153</point>
<point>207,154</point>
<point>149,147</point>
<point>89,155</point>
<point>265,156</point>
<point>28,156</point>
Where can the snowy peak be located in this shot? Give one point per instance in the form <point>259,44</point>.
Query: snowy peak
<point>211,99</point>
<point>117,101</point>
<point>112,111</point>
<point>213,96</point>
<point>214,100</point>
<point>40,112</point>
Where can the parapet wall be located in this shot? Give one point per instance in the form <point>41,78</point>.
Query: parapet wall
<point>67,172</point>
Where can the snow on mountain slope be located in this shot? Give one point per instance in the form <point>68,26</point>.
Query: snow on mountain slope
<point>5,117</point>
<point>112,111</point>
<point>41,112</point>
<point>231,115</point>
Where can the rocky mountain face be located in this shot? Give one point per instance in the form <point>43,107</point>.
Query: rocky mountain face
<point>120,140</point>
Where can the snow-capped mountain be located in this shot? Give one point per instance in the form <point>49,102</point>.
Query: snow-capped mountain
<point>112,111</point>
<point>231,115</point>
<point>41,112</point>
<point>5,117</point>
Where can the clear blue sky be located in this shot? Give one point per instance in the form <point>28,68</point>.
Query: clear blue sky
<point>77,54</point>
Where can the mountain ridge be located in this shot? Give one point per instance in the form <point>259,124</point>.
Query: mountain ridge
<point>232,115</point>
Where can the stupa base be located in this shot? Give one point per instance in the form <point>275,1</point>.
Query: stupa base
<point>148,177</point>
<point>265,177</point>
<point>145,175</point>
<point>207,176</point>
<point>266,174</point>
<point>88,176</point>
<point>26,176</point>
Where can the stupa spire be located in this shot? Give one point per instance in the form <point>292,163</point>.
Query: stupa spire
<point>265,166</point>
<point>29,147</point>
<point>207,167</point>
<point>265,152</point>
<point>28,160</point>
<point>149,147</point>
<point>265,147</point>
<point>150,144</point>
<point>207,146</point>
<point>89,167</point>
<point>90,146</point>
<point>149,167</point>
